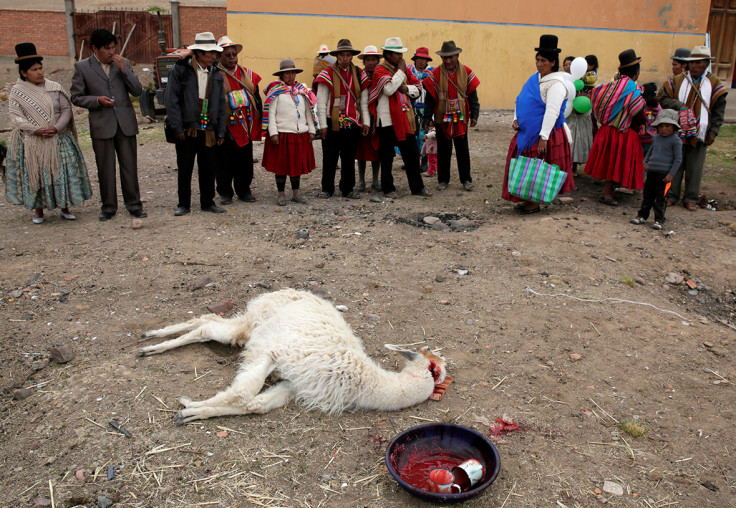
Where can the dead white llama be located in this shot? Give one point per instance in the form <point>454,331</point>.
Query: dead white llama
<point>307,343</point>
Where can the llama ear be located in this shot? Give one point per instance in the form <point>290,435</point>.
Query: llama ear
<point>409,355</point>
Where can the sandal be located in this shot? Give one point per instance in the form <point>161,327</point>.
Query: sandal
<point>524,211</point>
<point>442,186</point>
<point>468,186</point>
<point>325,195</point>
<point>690,206</point>
<point>281,202</point>
<point>608,201</point>
<point>392,195</point>
<point>424,192</point>
<point>352,195</point>
<point>299,200</point>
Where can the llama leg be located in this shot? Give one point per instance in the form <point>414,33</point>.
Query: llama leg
<point>244,387</point>
<point>209,330</point>
<point>278,395</point>
<point>210,412</point>
<point>186,326</point>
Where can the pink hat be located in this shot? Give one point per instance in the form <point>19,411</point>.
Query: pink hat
<point>422,53</point>
<point>370,51</point>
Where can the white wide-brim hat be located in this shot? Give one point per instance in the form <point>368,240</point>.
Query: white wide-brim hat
<point>700,53</point>
<point>370,51</point>
<point>205,42</point>
<point>323,49</point>
<point>225,42</point>
<point>395,45</point>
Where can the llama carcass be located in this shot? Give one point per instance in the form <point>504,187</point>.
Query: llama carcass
<point>307,343</point>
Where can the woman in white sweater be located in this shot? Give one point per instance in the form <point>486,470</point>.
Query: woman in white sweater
<point>289,119</point>
<point>539,120</point>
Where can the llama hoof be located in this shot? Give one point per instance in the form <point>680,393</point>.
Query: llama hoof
<point>141,353</point>
<point>184,401</point>
<point>179,419</point>
<point>145,334</point>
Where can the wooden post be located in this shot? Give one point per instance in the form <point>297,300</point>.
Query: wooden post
<point>72,43</point>
<point>175,26</point>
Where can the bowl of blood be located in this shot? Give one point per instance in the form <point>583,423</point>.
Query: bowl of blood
<point>413,454</point>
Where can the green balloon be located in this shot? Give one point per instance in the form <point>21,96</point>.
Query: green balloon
<point>582,104</point>
<point>579,84</point>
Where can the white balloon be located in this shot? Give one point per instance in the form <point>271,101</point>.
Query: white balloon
<point>578,68</point>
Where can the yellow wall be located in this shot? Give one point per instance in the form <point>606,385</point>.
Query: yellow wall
<point>502,55</point>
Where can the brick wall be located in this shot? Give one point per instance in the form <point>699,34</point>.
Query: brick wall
<point>46,29</point>
<point>196,19</point>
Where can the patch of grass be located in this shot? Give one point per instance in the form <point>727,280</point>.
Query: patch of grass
<point>633,428</point>
<point>627,280</point>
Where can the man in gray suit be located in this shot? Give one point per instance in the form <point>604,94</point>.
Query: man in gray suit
<point>102,84</point>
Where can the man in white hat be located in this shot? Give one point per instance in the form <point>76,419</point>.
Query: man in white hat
<point>322,60</point>
<point>195,110</point>
<point>244,111</point>
<point>389,102</point>
<point>342,109</point>
<point>703,94</point>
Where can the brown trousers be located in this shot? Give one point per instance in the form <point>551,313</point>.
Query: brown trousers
<point>126,149</point>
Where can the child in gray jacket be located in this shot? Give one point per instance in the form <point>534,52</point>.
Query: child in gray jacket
<point>661,162</point>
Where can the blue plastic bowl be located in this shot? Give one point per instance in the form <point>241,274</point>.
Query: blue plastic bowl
<point>443,438</point>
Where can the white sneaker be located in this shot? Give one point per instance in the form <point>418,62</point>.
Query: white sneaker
<point>68,216</point>
<point>638,220</point>
<point>38,220</point>
<point>657,226</point>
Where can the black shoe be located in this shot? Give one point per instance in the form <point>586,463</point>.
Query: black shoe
<point>106,216</point>
<point>139,214</point>
<point>248,198</point>
<point>424,165</point>
<point>181,211</point>
<point>226,201</point>
<point>214,209</point>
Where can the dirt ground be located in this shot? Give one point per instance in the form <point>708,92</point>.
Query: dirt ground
<point>505,298</point>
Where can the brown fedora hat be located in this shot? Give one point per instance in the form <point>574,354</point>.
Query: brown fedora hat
<point>628,58</point>
<point>448,49</point>
<point>287,64</point>
<point>344,45</point>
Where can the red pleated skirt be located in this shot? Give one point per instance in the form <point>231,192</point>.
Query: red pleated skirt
<point>618,157</point>
<point>368,148</point>
<point>558,153</point>
<point>293,156</point>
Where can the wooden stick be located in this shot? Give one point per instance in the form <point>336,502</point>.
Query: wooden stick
<point>92,421</point>
<point>509,495</point>
<point>51,490</point>
<point>157,449</point>
<point>230,430</point>
<point>161,401</point>
<point>499,383</point>
<point>141,392</point>
<point>333,458</point>
<point>596,329</point>
<point>604,411</point>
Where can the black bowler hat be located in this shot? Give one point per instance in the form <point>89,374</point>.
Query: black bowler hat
<point>681,55</point>
<point>26,51</point>
<point>548,44</point>
<point>627,59</point>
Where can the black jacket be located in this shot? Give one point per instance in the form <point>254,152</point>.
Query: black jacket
<point>182,99</point>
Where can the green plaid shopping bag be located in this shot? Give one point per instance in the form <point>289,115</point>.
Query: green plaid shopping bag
<point>535,180</point>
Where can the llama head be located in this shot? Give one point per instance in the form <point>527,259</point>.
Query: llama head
<point>435,363</point>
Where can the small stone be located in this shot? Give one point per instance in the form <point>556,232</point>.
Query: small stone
<point>431,220</point>
<point>16,294</point>
<point>201,283</point>
<point>640,281</point>
<point>264,285</point>
<point>373,317</point>
<point>693,292</point>
<point>341,308</point>
<point>441,226</point>
<point>550,363</point>
<point>41,501</point>
<point>516,253</point>
<point>674,278</point>
<point>222,433</point>
<point>321,264</point>
<point>103,502</point>
<point>462,271</point>
<point>691,284</point>
<point>375,198</point>
<point>444,302</point>
<point>302,234</point>
<point>427,289</point>
<point>613,488</point>
<point>439,278</point>
<point>565,200</point>
<point>575,357</point>
<point>259,261</point>
<point>110,472</point>
<point>61,353</point>
<point>220,307</point>
<point>655,476</point>
<point>21,394</point>
<point>136,223</point>
<point>81,475</point>
<point>469,321</point>
<point>39,364</point>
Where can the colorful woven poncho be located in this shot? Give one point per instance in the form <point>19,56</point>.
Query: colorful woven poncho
<point>617,103</point>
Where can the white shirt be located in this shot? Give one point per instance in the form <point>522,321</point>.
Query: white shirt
<point>203,74</point>
<point>324,93</point>
<point>383,113</point>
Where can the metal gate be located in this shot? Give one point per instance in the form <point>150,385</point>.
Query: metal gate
<point>140,26</point>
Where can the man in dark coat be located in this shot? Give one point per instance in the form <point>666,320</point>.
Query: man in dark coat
<point>103,84</point>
